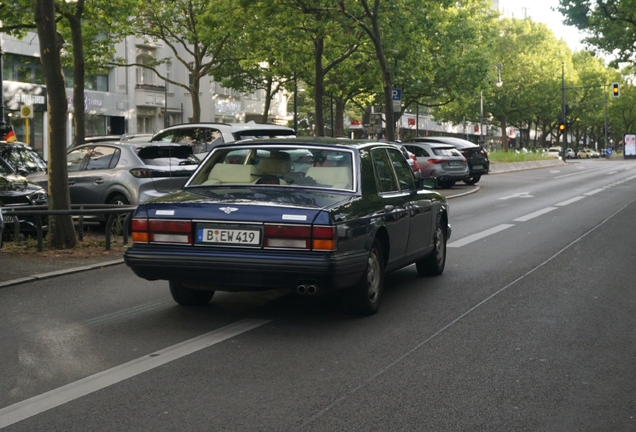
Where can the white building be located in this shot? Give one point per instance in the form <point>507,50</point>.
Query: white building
<point>132,99</point>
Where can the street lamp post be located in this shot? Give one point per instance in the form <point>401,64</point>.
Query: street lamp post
<point>481,118</point>
<point>4,129</point>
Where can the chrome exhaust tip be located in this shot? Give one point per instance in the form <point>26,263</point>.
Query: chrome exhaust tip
<point>312,289</point>
<point>301,289</point>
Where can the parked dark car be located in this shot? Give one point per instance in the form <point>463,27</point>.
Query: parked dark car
<point>16,191</point>
<point>476,156</point>
<point>22,158</point>
<point>118,173</point>
<point>251,219</point>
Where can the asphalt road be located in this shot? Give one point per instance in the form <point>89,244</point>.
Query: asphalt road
<point>531,327</point>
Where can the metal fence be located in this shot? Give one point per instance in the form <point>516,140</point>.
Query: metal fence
<point>38,213</point>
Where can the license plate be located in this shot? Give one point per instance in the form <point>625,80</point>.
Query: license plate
<point>233,236</point>
<point>454,163</point>
<point>8,219</point>
<point>478,166</point>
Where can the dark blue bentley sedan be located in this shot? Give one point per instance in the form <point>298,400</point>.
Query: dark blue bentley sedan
<point>308,215</point>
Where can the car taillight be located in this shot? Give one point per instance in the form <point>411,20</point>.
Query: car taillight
<point>141,172</point>
<point>416,166</point>
<point>436,161</point>
<point>300,237</point>
<point>161,231</point>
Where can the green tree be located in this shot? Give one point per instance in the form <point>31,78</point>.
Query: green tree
<point>610,24</point>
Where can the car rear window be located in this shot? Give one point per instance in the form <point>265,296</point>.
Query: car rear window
<point>167,155</point>
<point>442,151</point>
<point>288,166</point>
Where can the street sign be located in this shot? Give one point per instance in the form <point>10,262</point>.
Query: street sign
<point>26,111</point>
<point>397,99</point>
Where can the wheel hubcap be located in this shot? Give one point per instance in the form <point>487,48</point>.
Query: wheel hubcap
<point>439,245</point>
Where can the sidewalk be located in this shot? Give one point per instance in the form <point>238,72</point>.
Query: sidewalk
<point>20,266</point>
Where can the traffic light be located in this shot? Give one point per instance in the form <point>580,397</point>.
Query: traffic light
<point>616,90</point>
<point>562,126</point>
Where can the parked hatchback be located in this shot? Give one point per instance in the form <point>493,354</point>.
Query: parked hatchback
<point>116,173</point>
<point>476,156</point>
<point>203,137</point>
<point>441,161</point>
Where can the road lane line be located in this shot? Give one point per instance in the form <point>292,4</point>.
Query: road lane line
<point>535,214</point>
<point>479,236</point>
<point>54,398</point>
<point>594,192</point>
<point>570,201</point>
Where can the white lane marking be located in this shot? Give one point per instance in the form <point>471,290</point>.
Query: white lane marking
<point>535,214</point>
<point>612,172</point>
<point>570,201</point>
<point>578,173</point>
<point>54,398</point>
<point>479,236</point>
<point>518,195</point>
<point>594,192</point>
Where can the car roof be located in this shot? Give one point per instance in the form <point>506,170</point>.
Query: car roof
<point>228,127</point>
<point>457,142</point>
<point>309,141</point>
<point>431,144</point>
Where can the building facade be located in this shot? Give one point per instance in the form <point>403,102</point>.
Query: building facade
<point>126,99</point>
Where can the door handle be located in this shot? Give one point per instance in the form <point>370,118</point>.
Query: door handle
<point>388,208</point>
<point>99,181</point>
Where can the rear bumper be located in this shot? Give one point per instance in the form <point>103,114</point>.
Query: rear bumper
<point>245,270</point>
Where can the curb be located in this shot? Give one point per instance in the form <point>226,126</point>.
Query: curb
<point>42,276</point>
<point>472,191</point>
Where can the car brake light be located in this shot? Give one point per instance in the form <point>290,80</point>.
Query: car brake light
<point>324,237</point>
<point>140,230</point>
<point>416,166</point>
<point>141,172</point>
<point>436,161</point>
<point>300,237</point>
<point>161,231</point>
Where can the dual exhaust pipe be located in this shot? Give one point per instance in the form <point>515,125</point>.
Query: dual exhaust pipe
<point>307,289</point>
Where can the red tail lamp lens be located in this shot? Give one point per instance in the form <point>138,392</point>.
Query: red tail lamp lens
<point>287,236</point>
<point>170,231</point>
<point>324,238</point>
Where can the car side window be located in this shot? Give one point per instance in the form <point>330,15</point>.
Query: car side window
<point>384,172</point>
<point>402,170</point>
<point>75,158</point>
<point>100,158</point>
<point>417,151</point>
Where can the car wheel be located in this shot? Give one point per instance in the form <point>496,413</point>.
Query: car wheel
<point>472,180</point>
<point>364,298</point>
<point>434,263</point>
<point>117,228</point>
<point>189,297</point>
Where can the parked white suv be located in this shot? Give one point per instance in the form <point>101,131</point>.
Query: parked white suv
<point>203,137</point>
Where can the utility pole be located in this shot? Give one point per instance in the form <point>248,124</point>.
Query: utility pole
<point>565,131</point>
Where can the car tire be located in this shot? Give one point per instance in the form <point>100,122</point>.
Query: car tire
<point>447,184</point>
<point>434,263</point>
<point>118,224</point>
<point>364,298</point>
<point>472,180</point>
<point>188,296</point>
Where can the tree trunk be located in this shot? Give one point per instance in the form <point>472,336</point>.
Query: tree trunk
<point>339,119</point>
<point>268,99</point>
<point>196,102</point>
<point>319,47</point>
<point>61,229</point>
<point>504,134</point>
<point>75,22</point>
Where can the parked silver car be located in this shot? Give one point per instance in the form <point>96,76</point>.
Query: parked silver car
<point>203,137</point>
<point>442,161</point>
<point>116,173</point>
